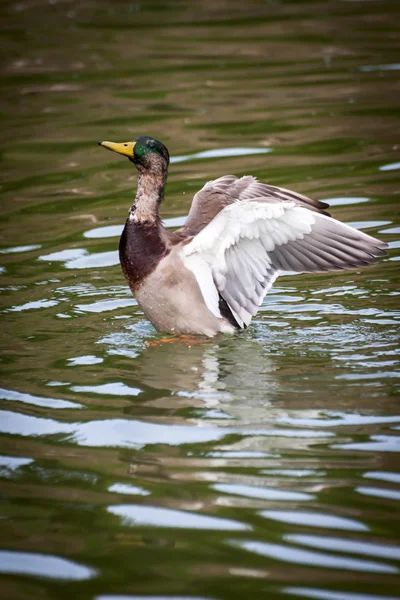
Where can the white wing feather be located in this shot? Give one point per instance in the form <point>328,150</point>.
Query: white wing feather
<point>241,252</point>
<point>203,273</point>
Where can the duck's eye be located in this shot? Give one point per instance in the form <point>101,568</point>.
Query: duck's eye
<point>151,145</point>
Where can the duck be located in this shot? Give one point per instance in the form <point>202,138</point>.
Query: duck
<point>211,275</point>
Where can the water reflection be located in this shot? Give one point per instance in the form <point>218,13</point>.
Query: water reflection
<point>345,545</point>
<point>18,249</point>
<point>260,492</point>
<point>220,153</point>
<point>389,67</point>
<point>13,463</point>
<point>138,515</point>
<point>322,594</point>
<point>298,556</point>
<point>37,401</point>
<point>378,492</point>
<point>126,488</point>
<point>108,433</point>
<point>390,167</point>
<point>135,597</point>
<point>89,359</point>
<point>43,565</point>
<point>209,371</point>
<point>392,477</point>
<point>314,519</point>
<point>345,201</point>
<point>35,305</point>
<point>108,389</point>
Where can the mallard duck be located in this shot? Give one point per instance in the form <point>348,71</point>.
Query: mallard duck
<point>211,275</point>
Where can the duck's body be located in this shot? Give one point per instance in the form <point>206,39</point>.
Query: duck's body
<point>211,275</point>
<point>172,300</point>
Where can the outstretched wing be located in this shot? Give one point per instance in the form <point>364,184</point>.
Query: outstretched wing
<point>245,247</point>
<point>219,193</point>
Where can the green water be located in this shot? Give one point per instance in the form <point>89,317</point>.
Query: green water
<point>263,465</point>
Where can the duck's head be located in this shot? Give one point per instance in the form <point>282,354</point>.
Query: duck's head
<point>145,152</point>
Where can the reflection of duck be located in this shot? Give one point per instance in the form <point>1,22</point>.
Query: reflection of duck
<point>223,374</point>
<point>211,275</point>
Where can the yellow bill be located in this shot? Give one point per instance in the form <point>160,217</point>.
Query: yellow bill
<point>124,148</point>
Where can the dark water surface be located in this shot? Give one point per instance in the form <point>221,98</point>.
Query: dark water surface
<point>264,465</point>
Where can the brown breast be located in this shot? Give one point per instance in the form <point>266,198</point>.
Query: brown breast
<point>141,247</point>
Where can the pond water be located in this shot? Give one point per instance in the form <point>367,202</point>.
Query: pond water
<point>263,465</point>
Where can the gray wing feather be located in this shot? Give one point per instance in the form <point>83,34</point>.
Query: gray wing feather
<point>249,244</point>
<point>250,275</point>
<point>252,266</point>
<point>219,193</point>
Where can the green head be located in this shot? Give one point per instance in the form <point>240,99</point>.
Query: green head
<point>146,145</point>
<point>144,151</point>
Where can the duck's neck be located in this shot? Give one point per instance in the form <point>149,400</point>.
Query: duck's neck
<point>144,242</point>
<point>149,195</point>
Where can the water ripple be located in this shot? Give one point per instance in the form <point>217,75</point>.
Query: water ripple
<point>43,565</point>
<point>18,249</point>
<point>259,492</point>
<point>383,476</point>
<point>376,443</point>
<point>13,463</point>
<point>314,519</point>
<point>112,432</point>
<point>307,557</point>
<point>344,545</point>
<point>321,594</point>
<point>139,515</point>
<point>220,153</point>
<point>340,419</point>
<point>34,305</point>
<point>88,359</point>
<point>127,488</point>
<point>379,492</point>
<point>116,388</point>
<point>37,400</point>
<point>105,305</point>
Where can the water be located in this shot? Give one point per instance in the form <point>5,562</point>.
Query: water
<point>263,465</point>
